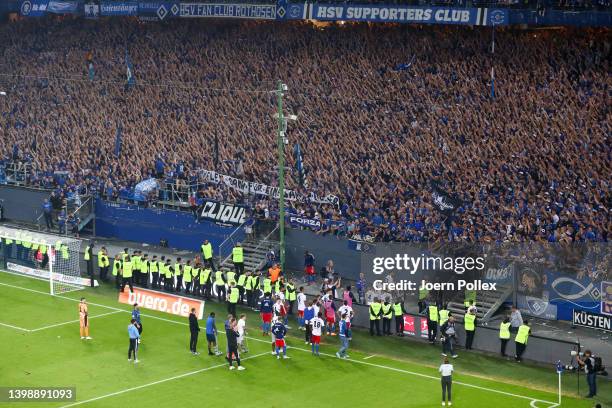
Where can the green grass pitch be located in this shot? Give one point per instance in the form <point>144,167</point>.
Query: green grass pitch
<point>40,342</point>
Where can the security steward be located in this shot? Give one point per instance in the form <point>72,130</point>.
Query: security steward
<point>238,258</point>
<point>520,341</point>
<point>504,335</point>
<point>375,316</point>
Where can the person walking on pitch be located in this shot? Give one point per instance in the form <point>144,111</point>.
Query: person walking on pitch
<point>345,335</point>
<point>211,335</point>
<point>136,317</point>
<point>134,336</point>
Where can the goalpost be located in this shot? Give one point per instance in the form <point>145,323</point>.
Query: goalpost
<point>42,256</point>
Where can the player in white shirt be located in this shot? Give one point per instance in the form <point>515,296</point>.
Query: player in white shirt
<point>346,309</point>
<point>446,372</point>
<point>316,325</point>
<point>301,301</point>
<point>241,326</point>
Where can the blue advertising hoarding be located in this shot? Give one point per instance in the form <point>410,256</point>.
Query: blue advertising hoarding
<point>245,11</point>
<point>408,14</point>
<point>123,8</point>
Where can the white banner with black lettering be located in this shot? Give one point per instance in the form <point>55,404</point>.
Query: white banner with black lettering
<point>592,320</point>
<point>251,187</point>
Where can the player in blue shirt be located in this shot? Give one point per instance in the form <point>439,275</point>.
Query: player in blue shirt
<point>266,309</point>
<point>211,335</point>
<point>279,331</point>
<point>345,336</point>
<point>136,317</point>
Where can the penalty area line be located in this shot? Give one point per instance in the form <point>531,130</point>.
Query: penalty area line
<point>176,377</point>
<point>73,321</point>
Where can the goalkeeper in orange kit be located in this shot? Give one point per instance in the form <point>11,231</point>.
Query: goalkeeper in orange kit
<point>84,320</point>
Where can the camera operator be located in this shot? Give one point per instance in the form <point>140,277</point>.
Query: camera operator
<point>588,362</point>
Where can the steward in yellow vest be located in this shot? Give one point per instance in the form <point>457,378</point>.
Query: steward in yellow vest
<point>220,286</point>
<point>234,294</point>
<point>504,335</point>
<point>238,258</point>
<point>387,314</point>
<point>469,322</point>
<point>520,341</point>
<point>117,264</point>
<point>205,282</point>
<point>432,322</point>
<point>398,312</point>
<point>154,268</point>
<point>187,276</point>
<point>127,274</point>
<point>375,315</point>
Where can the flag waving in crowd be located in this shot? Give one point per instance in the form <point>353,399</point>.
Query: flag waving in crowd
<point>131,81</point>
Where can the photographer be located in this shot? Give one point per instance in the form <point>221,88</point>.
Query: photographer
<point>588,362</point>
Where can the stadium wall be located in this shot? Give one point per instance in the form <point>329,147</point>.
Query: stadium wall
<point>540,349</point>
<point>150,225</point>
<point>347,262</point>
<point>22,204</point>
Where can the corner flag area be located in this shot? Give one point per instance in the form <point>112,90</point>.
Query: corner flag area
<point>41,346</point>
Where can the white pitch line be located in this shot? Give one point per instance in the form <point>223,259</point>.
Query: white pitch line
<point>433,377</point>
<point>116,309</point>
<point>369,357</point>
<point>305,350</point>
<point>73,321</point>
<point>15,327</point>
<point>176,377</point>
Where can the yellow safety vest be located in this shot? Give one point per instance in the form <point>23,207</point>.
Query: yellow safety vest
<point>267,285</point>
<point>219,278</point>
<point>504,331</point>
<point>167,271</point>
<point>127,269</point>
<point>234,294</point>
<point>207,251</point>
<point>237,254</point>
<point>291,295</point>
<point>241,281</point>
<point>468,322</point>
<point>154,266</point>
<point>101,259</point>
<point>204,276</point>
<point>187,273</point>
<point>397,310</point>
<point>443,316</point>
<point>87,256</point>
<point>375,310</point>
<point>231,277</point>
<point>386,309</point>
<point>433,313</point>
<point>177,269</point>
<point>116,266</point>
<point>523,334</point>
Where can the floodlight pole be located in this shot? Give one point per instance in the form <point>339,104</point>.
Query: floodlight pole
<point>281,172</point>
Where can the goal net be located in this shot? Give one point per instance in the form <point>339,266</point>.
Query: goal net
<point>42,256</point>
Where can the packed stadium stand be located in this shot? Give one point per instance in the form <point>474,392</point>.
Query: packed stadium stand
<point>395,109</point>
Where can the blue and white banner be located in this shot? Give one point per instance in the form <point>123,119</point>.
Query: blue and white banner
<point>33,8</point>
<point>297,221</point>
<point>91,11</point>
<point>408,14</point>
<point>246,11</point>
<point>63,7</point>
<point>123,8</point>
<point>297,11</point>
<point>158,10</point>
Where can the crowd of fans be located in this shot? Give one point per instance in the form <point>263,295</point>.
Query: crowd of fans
<point>531,163</point>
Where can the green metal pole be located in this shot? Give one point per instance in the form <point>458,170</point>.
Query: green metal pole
<point>281,174</point>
